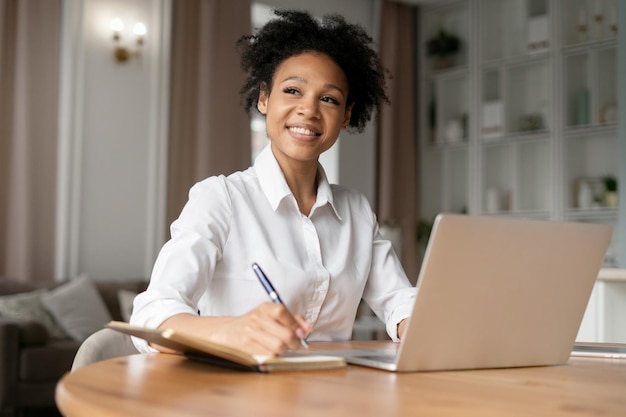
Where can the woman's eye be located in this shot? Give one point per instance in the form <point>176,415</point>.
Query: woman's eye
<point>290,90</point>
<point>330,100</point>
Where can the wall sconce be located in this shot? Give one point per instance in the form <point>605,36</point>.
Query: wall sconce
<point>120,52</point>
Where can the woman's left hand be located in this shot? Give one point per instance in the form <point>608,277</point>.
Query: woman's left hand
<point>401,326</point>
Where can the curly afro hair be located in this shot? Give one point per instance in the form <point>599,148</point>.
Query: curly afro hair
<point>296,32</point>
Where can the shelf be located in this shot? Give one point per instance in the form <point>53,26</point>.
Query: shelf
<point>514,61</point>
<point>522,214</point>
<point>588,46</point>
<point>542,135</point>
<point>588,130</point>
<point>612,274</point>
<point>599,215</point>
<point>452,72</point>
<point>434,146</point>
<point>541,121</point>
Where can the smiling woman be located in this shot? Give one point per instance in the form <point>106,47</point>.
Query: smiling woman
<point>319,243</point>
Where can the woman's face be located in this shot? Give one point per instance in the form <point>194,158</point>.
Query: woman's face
<point>306,108</point>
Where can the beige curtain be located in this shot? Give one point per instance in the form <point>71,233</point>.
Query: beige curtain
<point>397,152</point>
<point>29,73</point>
<point>209,131</point>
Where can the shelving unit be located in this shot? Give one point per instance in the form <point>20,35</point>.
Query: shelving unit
<point>524,114</point>
<point>534,87</point>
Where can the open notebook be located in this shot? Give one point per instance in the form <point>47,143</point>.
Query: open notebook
<point>227,356</point>
<point>496,292</point>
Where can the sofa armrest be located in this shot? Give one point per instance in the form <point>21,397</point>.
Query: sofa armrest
<point>14,336</point>
<point>28,333</point>
<point>9,351</point>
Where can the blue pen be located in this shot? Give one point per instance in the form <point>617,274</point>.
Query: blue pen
<point>269,288</point>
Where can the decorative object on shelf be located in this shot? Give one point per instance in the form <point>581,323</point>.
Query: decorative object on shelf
<point>584,197</point>
<point>492,118</point>
<point>582,107</point>
<point>598,17</point>
<point>538,33</point>
<point>582,26</point>
<point>613,22</point>
<point>609,113</point>
<point>441,46</point>
<point>455,129</point>
<point>493,200</point>
<point>531,122</point>
<point>610,191</point>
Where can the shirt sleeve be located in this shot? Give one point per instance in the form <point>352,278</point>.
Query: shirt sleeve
<point>388,291</point>
<point>186,263</point>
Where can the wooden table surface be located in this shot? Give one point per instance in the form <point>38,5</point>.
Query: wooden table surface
<point>156,385</point>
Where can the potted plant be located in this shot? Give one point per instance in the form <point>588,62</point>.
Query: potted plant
<point>610,191</point>
<point>441,46</point>
<point>423,232</point>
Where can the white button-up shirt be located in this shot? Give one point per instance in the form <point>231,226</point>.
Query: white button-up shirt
<point>321,264</point>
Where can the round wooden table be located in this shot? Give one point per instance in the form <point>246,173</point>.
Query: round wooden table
<point>155,385</point>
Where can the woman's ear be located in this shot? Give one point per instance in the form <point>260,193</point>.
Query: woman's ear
<point>348,116</point>
<point>261,104</point>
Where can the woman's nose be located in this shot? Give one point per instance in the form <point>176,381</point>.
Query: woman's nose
<point>309,107</point>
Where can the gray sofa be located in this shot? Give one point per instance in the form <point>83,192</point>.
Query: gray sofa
<point>31,362</point>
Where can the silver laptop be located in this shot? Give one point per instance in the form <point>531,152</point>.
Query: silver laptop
<point>496,293</point>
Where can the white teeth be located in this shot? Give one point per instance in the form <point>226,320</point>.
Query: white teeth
<point>302,131</point>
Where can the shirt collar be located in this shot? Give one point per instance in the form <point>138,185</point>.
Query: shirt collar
<point>274,186</point>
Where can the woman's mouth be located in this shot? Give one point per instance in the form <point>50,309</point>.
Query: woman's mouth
<point>303,131</point>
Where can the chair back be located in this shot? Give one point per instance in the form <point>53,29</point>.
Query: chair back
<point>103,344</point>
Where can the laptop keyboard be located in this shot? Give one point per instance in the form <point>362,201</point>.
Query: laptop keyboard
<point>384,355</point>
<point>378,358</point>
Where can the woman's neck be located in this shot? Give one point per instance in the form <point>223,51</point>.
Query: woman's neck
<point>302,181</point>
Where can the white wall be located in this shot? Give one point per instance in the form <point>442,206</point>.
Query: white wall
<point>113,141</point>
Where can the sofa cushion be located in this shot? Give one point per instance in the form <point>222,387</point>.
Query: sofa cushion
<point>47,362</point>
<point>77,307</point>
<point>28,306</point>
<point>110,292</point>
<point>126,299</point>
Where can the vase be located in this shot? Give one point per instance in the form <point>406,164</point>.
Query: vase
<point>454,130</point>
<point>442,62</point>
<point>610,198</point>
<point>585,195</point>
<point>493,201</point>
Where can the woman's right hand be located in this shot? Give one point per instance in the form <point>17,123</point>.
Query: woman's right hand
<point>268,329</point>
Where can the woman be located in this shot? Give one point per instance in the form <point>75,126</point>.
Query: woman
<point>318,243</point>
